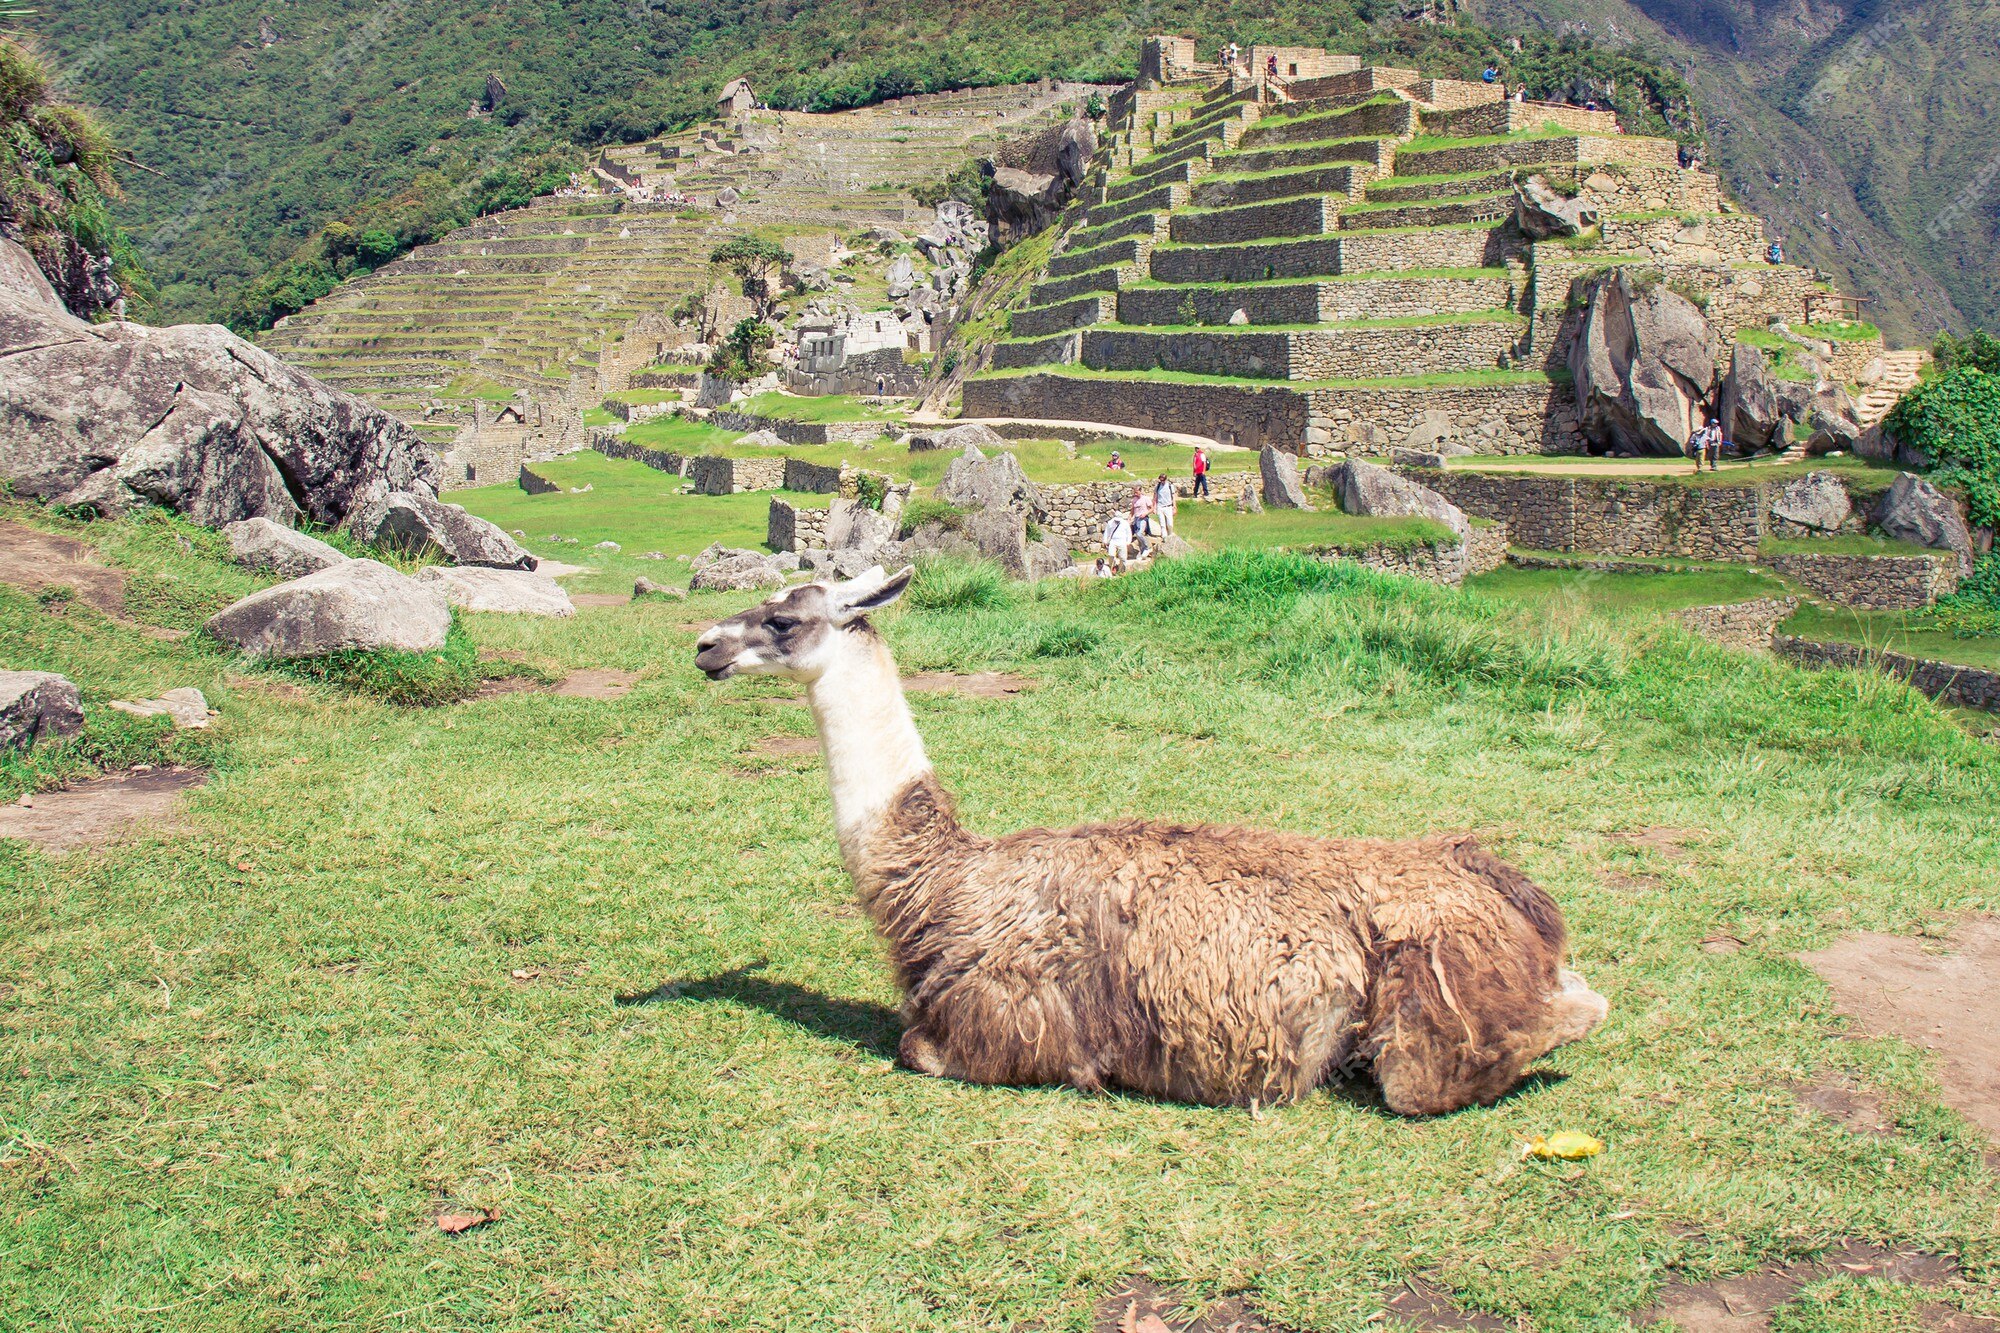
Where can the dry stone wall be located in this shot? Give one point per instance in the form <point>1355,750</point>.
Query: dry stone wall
<point>1872,582</point>
<point>1529,418</point>
<point>1610,517</point>
<point>1040,321</point>
<point>1750,624</point>
<point>1314,302</point>
<point>1320,256</point>
<point>712,475</point>
<point>1251,417</point>
<point>1947,682</point>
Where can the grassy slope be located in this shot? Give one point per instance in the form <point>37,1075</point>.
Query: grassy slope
<point>252,1057</point>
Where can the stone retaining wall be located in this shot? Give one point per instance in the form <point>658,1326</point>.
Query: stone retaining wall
<point>1492,419</point>
<point>1947,682</point>
<point>1308,354</point>
<point>535,484</point>
<point>1345,179</point>
<point>712,475</point>
<point>1585,149</point>
<point>1737,237</point>
<point>1483,550</point>
<point>1872,582</point>
<point>1750,624</point>
<point>1130,250</point>
<point>1324,256</point>
<point>1059,349</point>
<point>1083,284</point>
<point>803,432</point>
<point>1251,417</point>
<point>1040,321</point>
<point>1315,302</point>
<point>790,527</point>
<point>1622,517</point>
<point>1312,215</point>
<point>658,459</point>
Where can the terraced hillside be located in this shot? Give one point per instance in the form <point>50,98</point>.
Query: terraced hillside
<point>1325,260</point>
<point>492,341</point>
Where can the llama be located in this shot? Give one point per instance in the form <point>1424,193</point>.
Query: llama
<point>1224,966</point>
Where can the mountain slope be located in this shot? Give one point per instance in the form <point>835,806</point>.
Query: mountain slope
<point>1865,132</point>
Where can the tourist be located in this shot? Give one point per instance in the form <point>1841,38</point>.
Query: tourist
<point>1116,464</point>
<point>1100,570</point>
<point>1489,74</point>
<point>1142,519</point>
<point>1520,94</point>
<point>881,383</point>
<point>1164,501</point>
<point>1232,56</point>
<point>1776,254</point>
<point>1271,66</point>
<point>1714,445</point>
<point>1697,438</point>
<point>1200,491</point>
<point>1118,538</point>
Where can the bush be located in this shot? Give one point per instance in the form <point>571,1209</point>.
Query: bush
<point>945,584</point>
<point>1955,419</point>
<point>927,510</point>
<point>414,680</point>
<point>871,490</point>
<point>1977,350</point>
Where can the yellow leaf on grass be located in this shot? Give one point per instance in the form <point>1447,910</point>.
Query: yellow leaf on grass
<point>1567,1145</point>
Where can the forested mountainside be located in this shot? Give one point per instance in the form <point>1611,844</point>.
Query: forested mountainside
<point>1866,131</point>
<point>293,142</point>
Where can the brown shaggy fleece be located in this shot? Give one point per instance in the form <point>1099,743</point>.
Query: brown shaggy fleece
<point>1225,966</point>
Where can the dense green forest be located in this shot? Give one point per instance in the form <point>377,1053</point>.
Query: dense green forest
<point>298,141</point>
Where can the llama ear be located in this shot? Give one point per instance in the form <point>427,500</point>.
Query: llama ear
<point>869,591</point>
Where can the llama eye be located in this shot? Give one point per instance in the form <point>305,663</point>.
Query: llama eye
<point>782,624</point>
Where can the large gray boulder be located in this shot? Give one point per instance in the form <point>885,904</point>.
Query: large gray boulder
<point>1075,147</point>
<point>853,526</point>
<point>1544,213</point>
<point>974,481</point>
<point>1643,362</point>
<point>422,525</point>
<point>1280,474</point>
<point>508,591</point>
<point>732,569</point>
<point>1835,421</point>
<point>262,543</point>
<point>1816,502</point>
<point>1366,488</point>
<point>37,706</point>
<point>119,416</point>
<point>357,604</point>
<point>1021,203</point>
<point>1913,510</point>
<point>1755,404</point>
<point>974,434</point>
<point>999,535</point>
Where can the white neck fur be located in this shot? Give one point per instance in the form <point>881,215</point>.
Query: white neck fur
<point>865,730</point>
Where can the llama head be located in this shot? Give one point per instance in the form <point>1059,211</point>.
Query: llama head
<point>800,632</point>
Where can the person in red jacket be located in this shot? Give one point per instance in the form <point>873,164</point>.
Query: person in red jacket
<point>1200,474</point>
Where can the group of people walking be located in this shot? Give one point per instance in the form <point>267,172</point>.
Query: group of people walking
<point>1128,533</point>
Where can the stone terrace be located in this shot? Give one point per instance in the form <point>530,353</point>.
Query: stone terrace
<point>1339,250</point>
<point>552,299</point>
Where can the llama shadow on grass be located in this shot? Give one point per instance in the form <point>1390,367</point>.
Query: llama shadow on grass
<point>872,1028</point>
<point>875,1029</point>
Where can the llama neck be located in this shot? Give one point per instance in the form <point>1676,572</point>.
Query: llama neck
<point>871,744</point>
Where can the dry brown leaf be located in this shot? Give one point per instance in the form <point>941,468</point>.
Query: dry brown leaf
<point>1152,1323</point>
<point>453,1223</point>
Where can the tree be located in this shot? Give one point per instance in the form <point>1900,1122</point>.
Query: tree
<point>751,259</point>
<point>742,354</point>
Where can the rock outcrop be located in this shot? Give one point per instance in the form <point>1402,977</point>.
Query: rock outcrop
<point>420,524</point>
<point>184,707</point>
<point>1913,510</point>
<point>1756,405</point>
<point>1366,488</point>
<point>262,543</point>
<point>1279,472</point>
<point>509,591</point>
<point>357,604</point>
<point>1643,363</point>
<point>999,535</point>
<point>117,416</point>
<point>1544,213</point>
<point>1816,502</point>
<point>974,481</point>
<point>730,569</point>
<point>37,706</point>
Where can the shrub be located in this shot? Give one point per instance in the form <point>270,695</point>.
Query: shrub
<point>417,680</point>
<point>1954,418</point>
<point>946,584</point>
<point>1978,350</point>
<point>927,510</point>
<point>871,490</point>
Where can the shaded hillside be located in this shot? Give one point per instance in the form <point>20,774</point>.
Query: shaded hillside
<point>1866,133</point>
<point>270,121</point>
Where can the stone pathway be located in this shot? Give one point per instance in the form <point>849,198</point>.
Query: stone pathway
<point>99,811</point>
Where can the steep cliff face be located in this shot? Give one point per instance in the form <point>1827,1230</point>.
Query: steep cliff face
<point>1867,134</point>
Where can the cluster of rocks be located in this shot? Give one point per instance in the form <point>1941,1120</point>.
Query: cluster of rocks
<point>117,416</point>
<point>37,707</point>
<point>1644,364</point>
<point>1544,212</point>
<point>732,569</point>
<point>1023,200</point>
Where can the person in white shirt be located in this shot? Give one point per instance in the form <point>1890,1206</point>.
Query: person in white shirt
<point>1118,538</point>
<point>1164,501</point>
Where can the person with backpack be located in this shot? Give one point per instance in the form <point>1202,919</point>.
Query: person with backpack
<point>1142,520</point>
<point>1164,501</point>
<point>1200,491</point>
<point>1118,538</point>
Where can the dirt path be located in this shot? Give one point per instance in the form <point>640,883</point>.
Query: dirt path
<point>31,561</point>
<point>977,685</point>
<point>98,811</point>
<point>1942,996</point>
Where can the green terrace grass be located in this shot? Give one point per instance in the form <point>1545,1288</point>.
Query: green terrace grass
<point>1381,275</point>
<point>1841,331</point>
<point>1309,240</point>
<point>1635,593</point>
<point>1425,143</point>
<point>1289,147</point>
<point>598,416</point>
<point>1386,322</point>
<point>1843,543</point>
<point>1384,205</point>
<point>1324,528</point>
<point>1450,380</point>
<point>594,966</point>
<point>1928,633</point>
<point>1436,178</point>
<point>671,368</point>
<point>1862,476</point>
<point>644,396</point>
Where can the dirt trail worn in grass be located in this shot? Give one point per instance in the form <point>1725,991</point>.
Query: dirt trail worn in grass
<point>1942,996</point>
<point>98,811</point>
<point>32,561</point>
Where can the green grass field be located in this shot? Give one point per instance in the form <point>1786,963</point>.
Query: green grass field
<point>593,966</point>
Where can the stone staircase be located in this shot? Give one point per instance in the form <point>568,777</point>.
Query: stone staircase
<point>1322,268</point>
<point>1900,371</point>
